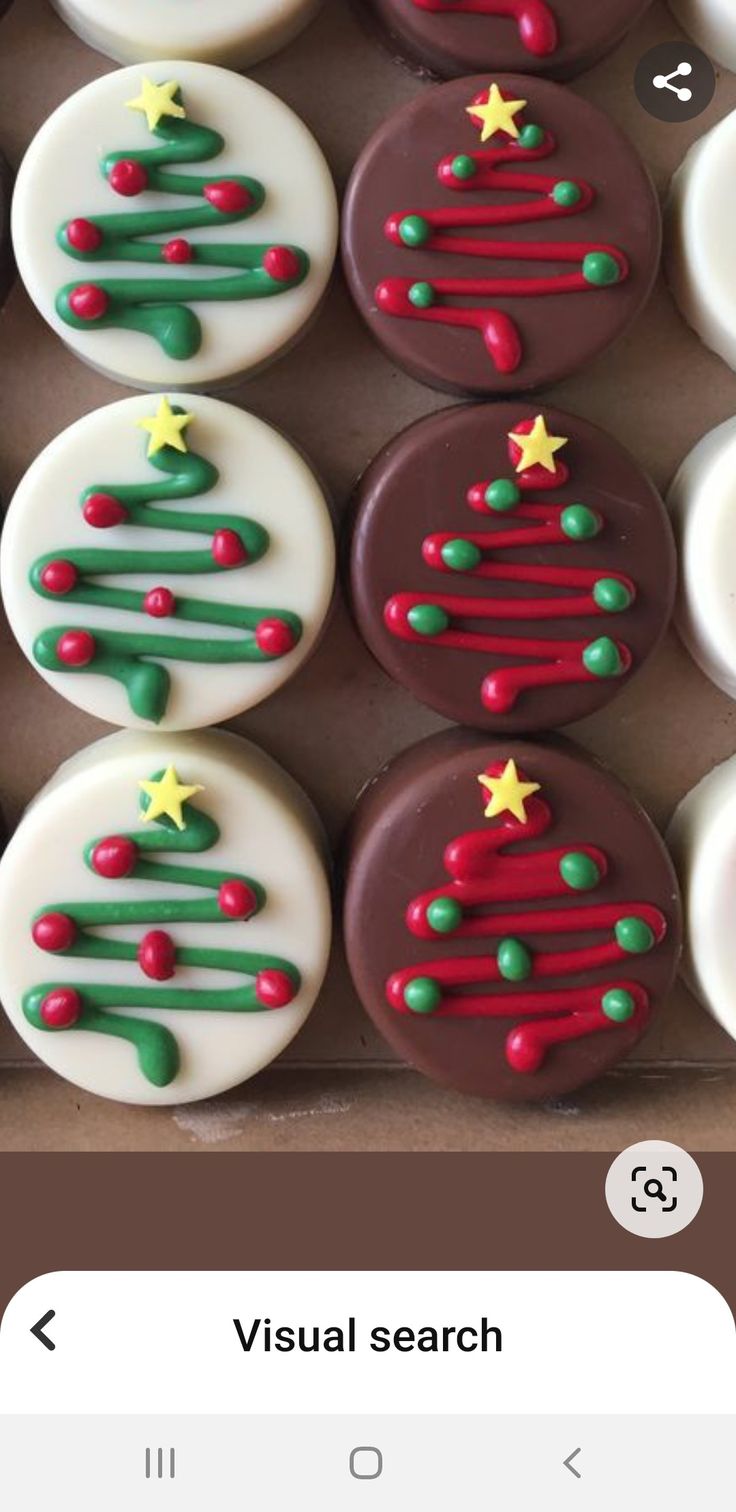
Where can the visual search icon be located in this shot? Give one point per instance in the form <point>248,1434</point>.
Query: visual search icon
<point>675,82</point>
<point>654,1189</point>
<point>665,81</point>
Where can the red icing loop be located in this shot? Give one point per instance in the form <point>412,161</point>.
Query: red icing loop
<point>274,637</point>
<point>178,250</point>
<point>281,263</point>
<point>59,577</point>
<point>88,301</point>
<point>76,648</point>
<point>227,197</point>
<point>61,1008</point>
<point>237,900</point>
<point>274,989</point>
<point>534,18</point>
<point>128,177</point>
<point>483,874</point>
<point>83,235</point>
<point>114,857</point>
<point>55,932</point>
<point>102,510</point>
<point>228,549</point>
<point>157,955</point>
<point>159,603</point>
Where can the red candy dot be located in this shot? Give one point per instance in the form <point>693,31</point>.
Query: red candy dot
<point>274,637</point>
<point>228,549</point>
<point>274,989</point>
<point>54,932</point>
<point>281,263</point>
<point>128,177</point>
<point>178,250</point>
<point>227,197</point>
<point>157,955</point>
<point>83,235</point>
<point>115,856</point>
<point>159,603</point>
<point>237,900</point>
<point>102,510</point>
<point>61,1008</point>
<point>88,302</point>
<point>59,577</point>
<point>76,648</point>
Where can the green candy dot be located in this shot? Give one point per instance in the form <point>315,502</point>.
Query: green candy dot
<point>611,595</point>
<point>415,231</point>
<point>580,523</point>
<point>579,871</point>
<point>634,936</point>
<point>422,995</point>
<point>602,658</point>
<point>444,915</point>
<point>428,619</point>
<point>502,494</point>
<point>601,269</point>
<point>514,961</point>
<point>618,1005</point>
<point>531,136</point>
<point>422,296</point>
<point>463,167</point>
<point>460,556</point>
<point>566,193</point>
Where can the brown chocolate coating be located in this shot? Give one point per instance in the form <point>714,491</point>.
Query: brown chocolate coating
<point>418,485</point>
<point>402,823</point>
<point>396,175</point>
<point>447,45</point>
<point>7,261</point>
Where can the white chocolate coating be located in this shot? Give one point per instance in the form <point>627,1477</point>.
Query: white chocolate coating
<point>700,247</point>
<point>710,23</point>
<point>268,831</point>
<point>235,33</point>
<point>702,839</point>
<point>261,477</point>
<point>702,499</point>
<point>60,179</point>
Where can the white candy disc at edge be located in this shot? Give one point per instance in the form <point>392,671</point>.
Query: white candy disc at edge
<point>236,33</point>
<point>702,839</point>
<point>60,179</point>
<point>710,23</point>
<point>261,477</point>
<point>268,831</point>
<point>702,500</point>
<point>700,244</point>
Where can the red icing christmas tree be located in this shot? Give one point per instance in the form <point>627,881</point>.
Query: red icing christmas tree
<point>462,301</point>
<point>483,875</point>
<point>534,18</point>
<point>568,592</point>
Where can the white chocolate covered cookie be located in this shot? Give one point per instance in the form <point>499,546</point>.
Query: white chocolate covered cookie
<point>701,239</point>
<point>175,224</point>
<point>164,916</point>
<point>702,839</point>
<point>237,33</point>
<point>702,499</point>
<point>167,562</point>
<point>710,23</point>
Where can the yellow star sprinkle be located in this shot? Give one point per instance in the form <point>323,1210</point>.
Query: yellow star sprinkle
<point>167,795</point>
<point>166,429</point>
<point>538,447</point>
<point>508,793</point>
<point>155,101</point>
<point>497,114</point>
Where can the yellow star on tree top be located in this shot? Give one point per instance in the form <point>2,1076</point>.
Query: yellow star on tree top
<point>538,447</point>
<point>165,429</point>
<point>508,793</point>
<point>167,795</point>
<point>497,114</point>
<point>157,100</point>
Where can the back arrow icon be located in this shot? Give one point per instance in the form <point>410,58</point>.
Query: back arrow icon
<point>38,1330</point>
<point>568,1463</point>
